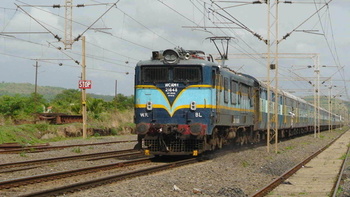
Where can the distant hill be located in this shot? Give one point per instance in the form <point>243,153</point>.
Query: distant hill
<point>48,92</point>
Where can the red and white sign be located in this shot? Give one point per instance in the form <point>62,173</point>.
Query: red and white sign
<point>85,84</point>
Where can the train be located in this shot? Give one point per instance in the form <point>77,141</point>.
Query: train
<point>186,104</point>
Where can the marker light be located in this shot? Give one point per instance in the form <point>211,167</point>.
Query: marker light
<point>193,105</point>
<point>149,106</point>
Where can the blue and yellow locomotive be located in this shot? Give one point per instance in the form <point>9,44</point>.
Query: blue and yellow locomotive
<point>187,104</point>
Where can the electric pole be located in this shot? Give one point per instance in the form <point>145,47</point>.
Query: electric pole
<point>272,64</point>
<point>68,40</point>
<point>83,90</point>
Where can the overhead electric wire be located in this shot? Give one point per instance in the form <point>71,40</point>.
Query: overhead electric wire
<point>77,38</point>
<point>237,36</point>
<point>325,37</point>
<point>102,59</point>
<point>258,60</point>
<point>334,54</point>
<point>47,61</point>
<point>128,15</point>
<point>237,22</point>
<point>238,45</point>
<point>80,24</point>
<point>289,33</point>
<point>55,36</point>
<point>246,52</point>
<point>4,27</point>
<point>129,41</point>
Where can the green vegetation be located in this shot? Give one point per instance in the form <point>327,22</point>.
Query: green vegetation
<point>48,92</point>
<point>340,190</point>
<point>76,150</point>
<point>23,154</point>
<point>289,148</point>
<point>22,134</point>
<point>245,164</point>
<point>115,114</point>
<point>343,157</point>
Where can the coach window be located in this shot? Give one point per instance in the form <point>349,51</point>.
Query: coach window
<point>233,92</point>
<point>245,95</point>
<point>226,90</point>
<point>239,93</point>
<point>250,95</point>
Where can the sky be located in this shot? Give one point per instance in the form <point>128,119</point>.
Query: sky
<point>120,35</point>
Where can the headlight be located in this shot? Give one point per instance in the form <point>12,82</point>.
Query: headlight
<point>171,56</point>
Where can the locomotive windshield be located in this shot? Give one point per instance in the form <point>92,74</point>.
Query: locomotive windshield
<point>152,74</point>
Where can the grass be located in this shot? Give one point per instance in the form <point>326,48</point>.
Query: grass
<point>340,190</point>
<point>23,154</point>
<point>22,134</point>
<point>77,150</point>
<point>289,148</point>
<point>245,164</point>
<point>343,157</point>
<point>29,134</point>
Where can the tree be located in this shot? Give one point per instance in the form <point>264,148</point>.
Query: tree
<point>122,102</point>
<point>96,106</point>
<point>69,101</point>
<point>19,106</point>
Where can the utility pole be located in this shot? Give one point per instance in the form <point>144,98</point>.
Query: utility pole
<point>317,96</point>
<point>36,84</point>
<point>116,88</point>
<point>272,64</point>
<point>36,79</point>
<point>83,91</point>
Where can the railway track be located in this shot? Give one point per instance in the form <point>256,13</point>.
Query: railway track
<point>340,180</point>
<point>15,166</point>
<point>295,188</point>
<point>34,149</point>
<point>63,174</point>
<point>77,186</point>
<point>109,179</point>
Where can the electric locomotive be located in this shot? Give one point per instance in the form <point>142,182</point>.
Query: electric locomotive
<point>186,104</point>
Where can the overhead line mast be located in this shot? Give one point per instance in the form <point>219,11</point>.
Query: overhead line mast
<point>68,38</point>
<point>272,58</point>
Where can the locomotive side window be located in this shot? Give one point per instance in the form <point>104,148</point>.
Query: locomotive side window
<point>226,90</point>
<point>155,74</point>
<point>213,73</point>
<point>187,74</point>
<point>233,92</point>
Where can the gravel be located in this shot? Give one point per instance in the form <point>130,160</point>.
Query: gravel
<point>233,171</point>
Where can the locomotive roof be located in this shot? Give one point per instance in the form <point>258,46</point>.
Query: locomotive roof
<point>181,62</point>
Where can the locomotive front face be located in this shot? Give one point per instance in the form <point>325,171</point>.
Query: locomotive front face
<point>172,105</point>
